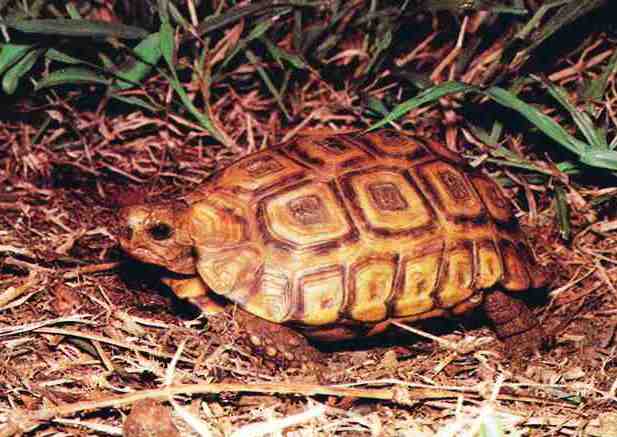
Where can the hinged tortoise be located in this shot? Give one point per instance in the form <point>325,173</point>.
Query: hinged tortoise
<point>338,235</point>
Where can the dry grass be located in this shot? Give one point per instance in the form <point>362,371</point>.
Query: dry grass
<point>86,333</point>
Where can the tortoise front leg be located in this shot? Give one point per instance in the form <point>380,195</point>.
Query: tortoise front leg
<point>514,323</point>
<point>195,291</point>
<point>275,343</point>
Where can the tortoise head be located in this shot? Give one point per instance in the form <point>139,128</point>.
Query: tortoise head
<point>157,234</point>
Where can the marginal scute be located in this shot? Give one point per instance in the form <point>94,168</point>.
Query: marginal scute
<point>392,144</point>
<point>457,282</point>
<point>271,298</point>
<point>418,279</point>
<point>516,277</point>
<point>322,296</point>
<point>490,269</point>
<point>330,154</point>
<point>372,280</point>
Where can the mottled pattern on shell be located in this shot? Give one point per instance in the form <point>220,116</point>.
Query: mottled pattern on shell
<point>339,234</point>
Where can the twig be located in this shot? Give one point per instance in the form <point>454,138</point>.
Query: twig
<point>91,268</point>
<point>107,340</point>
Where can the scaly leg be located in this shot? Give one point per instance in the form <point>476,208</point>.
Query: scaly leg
<point>275,343</point>
<point>515,324</point>
<point>195,291</point>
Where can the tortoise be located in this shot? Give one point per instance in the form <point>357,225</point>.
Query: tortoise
<point>334,236</point>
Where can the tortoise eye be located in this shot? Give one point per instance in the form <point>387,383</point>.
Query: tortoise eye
<point>161,231</point>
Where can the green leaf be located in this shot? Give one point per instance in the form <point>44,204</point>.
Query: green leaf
<point>427,96</point>
<point>581,118</point>
<point>58,56</point>
<point>12,53</point>
<point>71,75</point>
<point>269,84</point>
<point>600,158</point>
<point>11,79</point>
<point>542,121</point>
<point>135,101</point>
<point>281,55</point>
<point>147,54</point>
<point>77,28</point>
<point>167,43</point>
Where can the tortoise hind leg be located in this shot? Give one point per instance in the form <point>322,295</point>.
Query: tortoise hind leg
<point>514,323</point>
<point>276,344</point>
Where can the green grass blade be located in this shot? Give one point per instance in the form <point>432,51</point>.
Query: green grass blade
<point>427,96</point>
<point>76,28</point>
<point>58,56</point>
<point>167,43</point>
<point>235,14</point>
<point>71,75</point>
<point>542,121</point>
<point>73,12</point>
<point>147,54</point>
<point>201,118</point>
<point>581,118</point>
<point>11,79</point>
<point>600,158</point>
<point>281,55</point>
<point>564,16</point>
<point>135,101</point>
<point>468,5</point>
<point>598,86</point>
<point>259,30</point>
<point>10,54</point>
<point>269,84</point>
<point>587,155</point>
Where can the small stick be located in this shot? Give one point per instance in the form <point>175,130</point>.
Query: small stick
<point>100,339</point>
<point>91,268</point>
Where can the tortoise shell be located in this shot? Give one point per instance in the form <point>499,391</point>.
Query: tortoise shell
<point>339,234</point>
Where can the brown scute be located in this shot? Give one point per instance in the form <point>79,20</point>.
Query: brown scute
<point>498,206</point>
<point>387,202</point>
<point>449,190</point>
<point>516,276</point>
<point>321,296</point>
<point>457,282</point>
<point>285,223</point>
<point>371,282</point>
<point>393,144</point>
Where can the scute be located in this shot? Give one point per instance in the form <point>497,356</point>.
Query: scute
<point>305,216</point>
<point>387,202</point>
